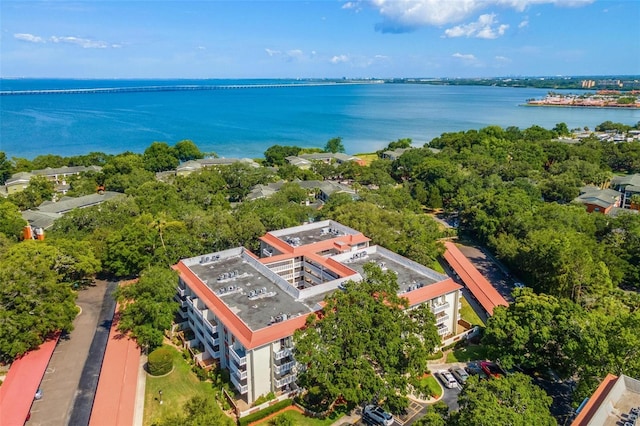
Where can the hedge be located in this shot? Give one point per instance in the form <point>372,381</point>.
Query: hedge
<point>244,421</point>
<point>160,361</point>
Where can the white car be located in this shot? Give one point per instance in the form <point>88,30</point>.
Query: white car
<point>377,415</point>
<point>447,379</point>
<point>518,285</point>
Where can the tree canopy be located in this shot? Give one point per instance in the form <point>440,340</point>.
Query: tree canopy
<point>34,301</point>
<point>366,345</point>
<point>511,400</point>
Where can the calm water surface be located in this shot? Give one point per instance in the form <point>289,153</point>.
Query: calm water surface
<point>244,122</point>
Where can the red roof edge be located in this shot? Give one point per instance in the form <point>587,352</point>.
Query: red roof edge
<point>22,382</point>
<point>598,397</point>
<point>481,289</point>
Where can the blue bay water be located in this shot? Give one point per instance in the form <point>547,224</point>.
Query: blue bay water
<point>244,122</point>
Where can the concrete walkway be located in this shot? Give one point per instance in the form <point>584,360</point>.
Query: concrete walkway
<point>138,413</point>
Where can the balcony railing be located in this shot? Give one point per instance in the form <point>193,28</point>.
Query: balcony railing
<point>181,291</point>
<point>439,308</point>
<point>240,359</point>
<point>442,319</point>
<point>240,374</point>
<point>282,353</point>
<point>287,366</point>
<point>211,327</point>
<point>285,380</point>
<point>443,330</point>
<point>241,388</point>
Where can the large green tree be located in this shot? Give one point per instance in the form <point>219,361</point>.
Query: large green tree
<point>11,221</point>
<point>159,156</point>
<point>34,302</point>
<point>366,344</point>
<point>148,305</point>
<point>5,168</point>
<point>334,145</point>
<point>512,400</point>
<point>187,150</point>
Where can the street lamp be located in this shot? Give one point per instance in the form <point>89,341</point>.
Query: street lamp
<point>160,393</point>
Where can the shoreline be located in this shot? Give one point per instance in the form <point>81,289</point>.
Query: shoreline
<point>623,107</point>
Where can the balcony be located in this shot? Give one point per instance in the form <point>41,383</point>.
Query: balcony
<point>282,369</point>
<point>241,388</point>
<point>235,371</point>
<point>440,308</point>
<point>212,328</point>
<point>283,353</point>
<point>285,380</point>
<point>181,291</point>
<point>442,319</point>
<point>239,358</point>
<point>443,330</point>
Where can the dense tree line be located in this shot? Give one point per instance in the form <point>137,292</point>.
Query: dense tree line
<point>511,190</point>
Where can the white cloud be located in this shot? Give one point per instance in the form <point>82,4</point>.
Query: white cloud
<point>271,52</point>
<point>524,23</point>
<point>295,53</point>
<point>339,59</point>
<point>463,56</point>
<point>29,37</point>
<point>502,59</point>
<point>484,27</point>
<point>83,42</point>
<point>407,15</point>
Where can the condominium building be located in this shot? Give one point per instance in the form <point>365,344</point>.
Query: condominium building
<point>243,309</point>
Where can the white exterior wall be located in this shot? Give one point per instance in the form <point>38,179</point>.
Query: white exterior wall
<point>259,364</point>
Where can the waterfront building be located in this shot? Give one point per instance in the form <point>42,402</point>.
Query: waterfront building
<point>241,309</point>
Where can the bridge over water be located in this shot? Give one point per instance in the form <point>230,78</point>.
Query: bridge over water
<point>176,88</point>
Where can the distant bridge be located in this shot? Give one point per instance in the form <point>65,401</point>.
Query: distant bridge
<point>178,88</point>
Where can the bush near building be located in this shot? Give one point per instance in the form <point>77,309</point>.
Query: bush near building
<point>160,362</point>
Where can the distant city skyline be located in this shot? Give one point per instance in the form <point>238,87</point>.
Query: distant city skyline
<point>318,39</point>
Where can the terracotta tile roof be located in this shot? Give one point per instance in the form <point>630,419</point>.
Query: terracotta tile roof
<point>481,289</point>
<point>431,291</point>
<point>115,399</point>
<point>22,382</point>
<point>598,397</point>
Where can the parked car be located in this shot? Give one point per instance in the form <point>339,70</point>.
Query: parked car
<point>377,415</point>
<point>492,369</point>
<point>473,368</point>
<point>518,285</point>
<point>459,373</point>
<point>447,379</point>
<point>38,394</point>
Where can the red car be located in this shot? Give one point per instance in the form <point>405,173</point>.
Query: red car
<point>491,369</point>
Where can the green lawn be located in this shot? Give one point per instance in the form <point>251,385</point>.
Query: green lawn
<point>468,353</point>
<point>177,388</point>
<point>468,314</point>
<point>299,419</point>
<point>368,157</point>
<point>432,384</point>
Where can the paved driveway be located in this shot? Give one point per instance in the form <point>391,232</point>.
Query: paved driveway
<point>63,375</point>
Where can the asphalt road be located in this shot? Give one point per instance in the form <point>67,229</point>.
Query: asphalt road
<point>64,375</point>
<point>86,392</point>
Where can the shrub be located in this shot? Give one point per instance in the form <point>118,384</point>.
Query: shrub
<point>244,421</point>
<point>436,355</point>
<point>264,398</point>
<point>160,361</point>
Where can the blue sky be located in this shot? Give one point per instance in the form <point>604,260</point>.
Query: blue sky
<point>318,39</point>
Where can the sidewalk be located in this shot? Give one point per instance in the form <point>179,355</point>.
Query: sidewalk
<point>138,411</point>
